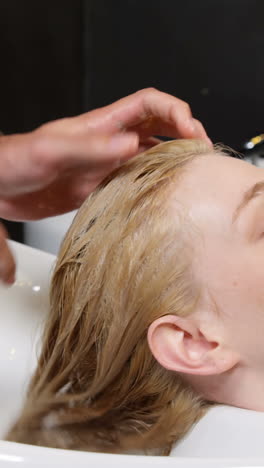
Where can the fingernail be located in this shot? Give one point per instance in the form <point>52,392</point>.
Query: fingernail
<point>198,128</point>
<point>192,125</point>
<point>200,131</point>
<point>210,143</point>
<point>123,142</point>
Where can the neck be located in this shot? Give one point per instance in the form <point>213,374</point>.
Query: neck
<point>241,387</point>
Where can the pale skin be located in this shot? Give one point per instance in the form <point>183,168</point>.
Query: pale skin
<point>52,170</point>
<point>219,347</point>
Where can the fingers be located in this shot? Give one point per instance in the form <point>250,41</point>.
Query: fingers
<point>7,263</point>
<point>201,131</point>
<point>174,115</point>
<point>149,111</point>
<point>74,152</point>
<point>169,110</point>
<point>148,143</point>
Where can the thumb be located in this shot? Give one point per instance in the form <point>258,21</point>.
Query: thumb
<point>94,149</point>
<point>122,145</point>
<point>7,263</point>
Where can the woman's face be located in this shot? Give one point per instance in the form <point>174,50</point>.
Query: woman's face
<point>224,198</point>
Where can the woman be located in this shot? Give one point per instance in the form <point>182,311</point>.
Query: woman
<point>156,305</point>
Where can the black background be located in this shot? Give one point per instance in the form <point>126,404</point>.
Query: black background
<point>62,57</point>
<point>207,52</point>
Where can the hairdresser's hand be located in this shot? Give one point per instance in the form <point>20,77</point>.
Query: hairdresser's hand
<point>7,264</point>
<point>52,170</point>
<point>147,113</point>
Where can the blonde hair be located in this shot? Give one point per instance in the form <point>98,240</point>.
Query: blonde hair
<point>123,263</point>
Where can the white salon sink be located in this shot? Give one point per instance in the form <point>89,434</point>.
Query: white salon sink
<point>22,311</point>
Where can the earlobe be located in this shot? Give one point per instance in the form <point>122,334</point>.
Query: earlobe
<point>178,345</point>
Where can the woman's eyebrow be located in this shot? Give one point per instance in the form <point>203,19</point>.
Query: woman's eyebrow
<point>250,194</point>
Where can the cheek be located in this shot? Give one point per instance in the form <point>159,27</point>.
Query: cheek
<point>232,286</point>
<point>237,286</point>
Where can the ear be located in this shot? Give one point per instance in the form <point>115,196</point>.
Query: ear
<point>178,344</point>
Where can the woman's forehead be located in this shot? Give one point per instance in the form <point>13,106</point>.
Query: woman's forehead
<point>212,187</point>
<point>216,177</point>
